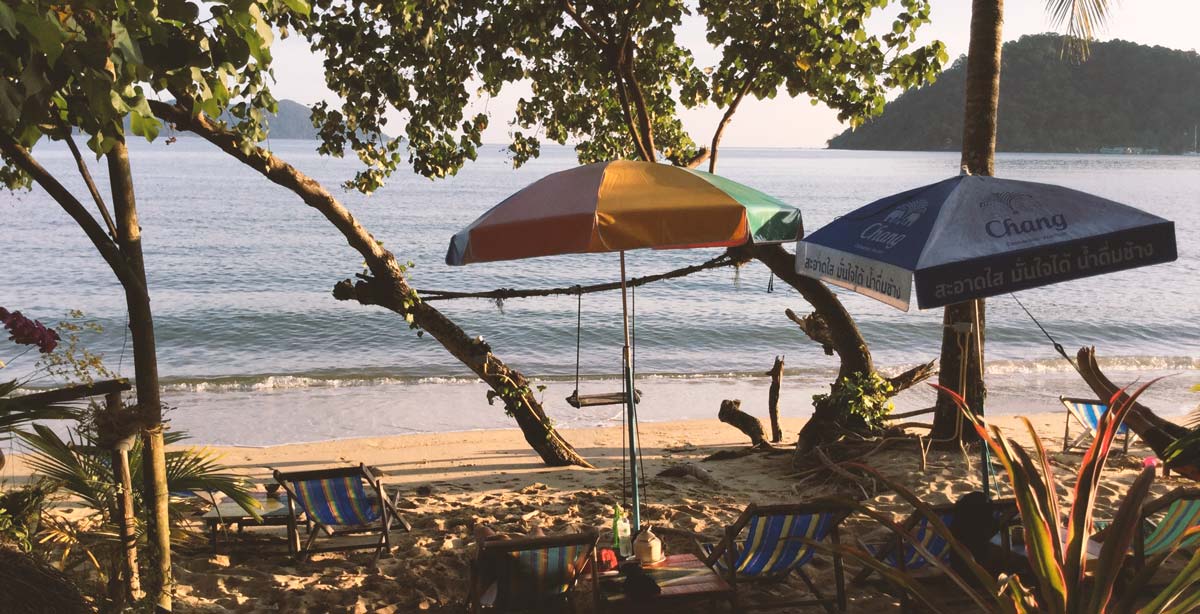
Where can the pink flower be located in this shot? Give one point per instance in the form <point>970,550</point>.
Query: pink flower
<point>29,332</point>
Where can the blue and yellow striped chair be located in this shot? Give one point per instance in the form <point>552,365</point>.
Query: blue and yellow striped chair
<point>899,552</point>
<point>775,545</point>
<point>1180,511</point>
<point>339,501</point>
<point>1087,413</point>
<point>530,573</point>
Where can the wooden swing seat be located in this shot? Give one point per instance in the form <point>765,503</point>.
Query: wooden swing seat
<point>594,400</point>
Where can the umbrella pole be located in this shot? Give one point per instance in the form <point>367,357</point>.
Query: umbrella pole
<point>630,404</point>
<point>984,451</point>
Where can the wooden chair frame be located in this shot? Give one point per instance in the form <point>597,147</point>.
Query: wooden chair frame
<point>496,544</point>
<point>388,513</point>
<point>1068,443</point>
<point>728,547</point>
<point>895,544</point>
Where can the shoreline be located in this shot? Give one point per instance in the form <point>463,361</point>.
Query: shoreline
<point>320,414</point>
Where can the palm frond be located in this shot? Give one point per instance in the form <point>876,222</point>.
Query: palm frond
<point>1081,19</point>
<point>85,475</point>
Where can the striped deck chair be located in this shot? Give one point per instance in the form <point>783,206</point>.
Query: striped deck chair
<point>340,501</point>
<point>531,573</point>
<point>900,553</point>
<point>774,546</point>
<point>1180,510</point>
<point>1087,413</point>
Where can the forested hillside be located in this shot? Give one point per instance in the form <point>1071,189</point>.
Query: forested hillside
<point>1124,95</point>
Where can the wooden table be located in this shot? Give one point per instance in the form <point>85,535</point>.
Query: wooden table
<point>274,512</point>
<point>682,578</point>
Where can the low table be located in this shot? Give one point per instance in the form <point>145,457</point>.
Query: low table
<point>274,512</point>
<point>682,577</point>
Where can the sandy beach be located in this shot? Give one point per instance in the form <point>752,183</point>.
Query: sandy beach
<point>451,482</point>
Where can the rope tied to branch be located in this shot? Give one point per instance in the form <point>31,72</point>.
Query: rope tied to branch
<point>1057,346</point>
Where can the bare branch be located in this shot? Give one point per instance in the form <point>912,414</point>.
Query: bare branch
<point>91,185</point>
<point>815,327</point>
<point>723,260</point>
<point>910,378</point>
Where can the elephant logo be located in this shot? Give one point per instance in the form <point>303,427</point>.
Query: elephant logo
<point>906,214</point>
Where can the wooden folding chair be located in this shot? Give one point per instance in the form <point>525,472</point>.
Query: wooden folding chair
<point>532,573</point>
<point>340,501</point>
<point>775,546</point>
<point>898,550</point>
<point>1087,413</point>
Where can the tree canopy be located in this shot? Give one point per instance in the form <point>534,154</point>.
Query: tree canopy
<point>89,65</point>
<point>1123,95</point>
<point>598,73</point>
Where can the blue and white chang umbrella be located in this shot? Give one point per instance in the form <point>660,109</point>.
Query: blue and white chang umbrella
<point>972,237</point>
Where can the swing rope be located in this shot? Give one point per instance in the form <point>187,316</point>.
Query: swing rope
<point>578,336</point>
<point>637,435</point>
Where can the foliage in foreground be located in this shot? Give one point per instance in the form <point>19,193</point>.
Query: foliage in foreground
<point>85,470</point>
<point>1063,581</point>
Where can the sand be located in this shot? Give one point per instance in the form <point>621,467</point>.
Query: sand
<point>451,482</point>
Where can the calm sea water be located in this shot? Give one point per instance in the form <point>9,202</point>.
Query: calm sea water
<point>248,332</point>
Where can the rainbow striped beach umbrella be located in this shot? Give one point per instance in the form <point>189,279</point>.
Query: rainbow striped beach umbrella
<point>622,205</point>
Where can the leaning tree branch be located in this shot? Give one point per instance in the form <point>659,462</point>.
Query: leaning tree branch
<point>751,75</point>
<point>388,287</point>
<point>723,260</point>
<point>104,244</point>
<point>1155,431</point>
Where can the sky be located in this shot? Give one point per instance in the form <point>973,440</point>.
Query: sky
<point>785,122</point>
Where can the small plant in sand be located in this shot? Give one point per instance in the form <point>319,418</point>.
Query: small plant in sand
<point>866,396</point>
<point>1060,579</point>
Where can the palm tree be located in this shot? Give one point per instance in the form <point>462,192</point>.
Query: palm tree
<point>960,368</point>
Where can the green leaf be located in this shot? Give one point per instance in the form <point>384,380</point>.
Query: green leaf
<point>123,43</point>
<point>299,6</point>
<point>8,21</point>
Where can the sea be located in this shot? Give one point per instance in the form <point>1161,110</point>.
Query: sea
<point>254,350</point>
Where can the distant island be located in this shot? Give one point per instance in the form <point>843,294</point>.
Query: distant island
<point>1126,98</point>
<point>291,122</point>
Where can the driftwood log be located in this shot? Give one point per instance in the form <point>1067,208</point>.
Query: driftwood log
<point>732,415</point>
<point>1155,431</point>
<point>776,374</point>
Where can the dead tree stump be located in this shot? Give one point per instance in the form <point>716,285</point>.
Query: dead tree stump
<point>731,414</point>
<point>776,374</point>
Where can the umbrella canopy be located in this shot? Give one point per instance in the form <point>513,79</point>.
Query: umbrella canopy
<point>617,206</point>
<point>623,205</point>
<point>972,237</point>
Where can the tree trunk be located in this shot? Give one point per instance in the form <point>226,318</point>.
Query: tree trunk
<point>387,287</point>
<point>732,415</point>
<point>776,374</point>
<point>828,418</point>
<point>145,360</point>
<point>131,587</point>
<point>978,155</point>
